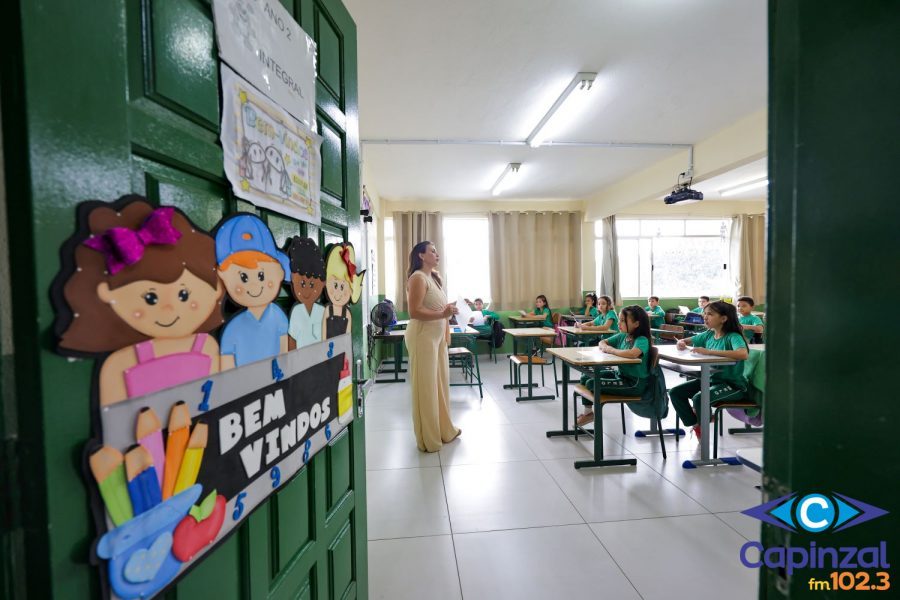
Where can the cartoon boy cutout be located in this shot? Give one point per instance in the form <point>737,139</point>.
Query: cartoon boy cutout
<point>307,283</point>
<point>252,269</point>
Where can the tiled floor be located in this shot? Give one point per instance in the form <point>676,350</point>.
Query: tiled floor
<point>502,513</point>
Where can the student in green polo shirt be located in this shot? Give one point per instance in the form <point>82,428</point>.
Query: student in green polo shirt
<point>655,312</point>
<point>606,315</point>
<point>752,324</point>
<point>702,301</point>
<point>590,306</point>
<point>542,307</point>
<point>489,318</point>
<point>723,338</point>
<point>632,342</point>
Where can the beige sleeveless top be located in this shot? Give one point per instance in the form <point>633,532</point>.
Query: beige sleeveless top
<point>435,298</point>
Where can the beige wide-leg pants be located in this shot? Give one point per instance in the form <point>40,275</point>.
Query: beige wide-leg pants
<point>429,375</point>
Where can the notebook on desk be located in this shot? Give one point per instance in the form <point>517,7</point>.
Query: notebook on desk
<point>523,313</point>
<point>683,309</point>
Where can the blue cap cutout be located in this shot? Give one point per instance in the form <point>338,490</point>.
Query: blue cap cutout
<point>247,232</point>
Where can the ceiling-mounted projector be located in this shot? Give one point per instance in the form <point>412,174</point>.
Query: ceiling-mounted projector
<point>682,191</point>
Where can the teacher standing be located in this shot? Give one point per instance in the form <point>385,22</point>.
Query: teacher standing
<point>427,338</point>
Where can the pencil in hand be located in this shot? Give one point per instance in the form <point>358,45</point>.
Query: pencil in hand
<point>149,435</point>
<point>107,466</point>
<point>176,443</point>
<point>143,487</point>
<point>193,456</point>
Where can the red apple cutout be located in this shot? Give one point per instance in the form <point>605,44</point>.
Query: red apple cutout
<point>192,536</point>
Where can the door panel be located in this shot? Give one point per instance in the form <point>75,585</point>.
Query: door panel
<point>141,115</point>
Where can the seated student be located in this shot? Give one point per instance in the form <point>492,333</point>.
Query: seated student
<point>606,316</point>
<point>702,301</point>
<point>632,342</point>
<point>542,307</point>
<point>655,312</point>
<point>753,325</point>
<point>590,306</point>
<point>489,318</point>
<point>723,338</point>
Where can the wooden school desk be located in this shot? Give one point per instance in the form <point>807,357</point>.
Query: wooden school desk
<point>529,334</point>
<point>591,360</point>
<point>526,321</point>
<point>707,364</point>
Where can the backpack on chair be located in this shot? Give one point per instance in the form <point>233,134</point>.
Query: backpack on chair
<point>498,336</point>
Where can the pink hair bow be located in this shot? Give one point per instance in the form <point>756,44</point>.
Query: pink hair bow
<point>123,247</point>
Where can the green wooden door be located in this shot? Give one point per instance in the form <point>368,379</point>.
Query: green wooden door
<point>106,98</point>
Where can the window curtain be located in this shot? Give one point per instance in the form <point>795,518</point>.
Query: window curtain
<point>535,253</point>
<point>410,228</point>
<point>609,273</point>
<point>747,256</point>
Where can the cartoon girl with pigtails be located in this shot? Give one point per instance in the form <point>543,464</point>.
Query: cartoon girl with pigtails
<point>144,289</point>
<point>343,286</point>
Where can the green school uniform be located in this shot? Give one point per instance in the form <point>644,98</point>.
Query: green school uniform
<point>548,316</point>
<point>698,310</point>
<point>750,320</point>
<point>487,329</point>
<point>727,384</point>
<point>733,374</point>
<point>593,313</point>
<point>622,341</point>
<point>657,316</point>
<point>611,314</point>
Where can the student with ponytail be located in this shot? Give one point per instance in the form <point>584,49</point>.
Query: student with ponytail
<point>723,338</point>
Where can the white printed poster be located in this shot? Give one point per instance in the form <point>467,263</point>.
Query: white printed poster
<point>271,159</point>
<point>262,42</point>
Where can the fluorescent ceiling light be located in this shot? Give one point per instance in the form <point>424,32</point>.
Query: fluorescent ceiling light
<point>745,187</point>
<point>507,178</point>
<point>567,105</point>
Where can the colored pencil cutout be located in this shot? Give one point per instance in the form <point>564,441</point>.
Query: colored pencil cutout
<point>176,444</point>
<point>143,487</point>
<point>149,435</point>
<point>108,468</point>
<point>193,456</point>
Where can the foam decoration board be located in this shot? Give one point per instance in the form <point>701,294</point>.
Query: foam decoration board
<point>180,454</point>
<point>252,270</point>
<point>343,286</point>
<point>307,284</point>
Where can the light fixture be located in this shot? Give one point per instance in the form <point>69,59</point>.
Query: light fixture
<point>506,179</point>
<point>745,187</point>
<point>571,98</point>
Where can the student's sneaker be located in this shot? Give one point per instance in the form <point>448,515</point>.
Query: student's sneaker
<point>585,419</point>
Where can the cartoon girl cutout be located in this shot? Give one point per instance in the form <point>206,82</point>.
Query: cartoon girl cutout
<point>307,283</point>
<point>143,288</point>
<point>343,285</point>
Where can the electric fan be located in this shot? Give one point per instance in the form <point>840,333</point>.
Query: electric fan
<point>383,316</point>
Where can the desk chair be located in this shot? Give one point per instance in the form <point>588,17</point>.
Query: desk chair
<point>677,333</point>
<point>583,392</point>
<point>464,354</point>
<point>718,421</point>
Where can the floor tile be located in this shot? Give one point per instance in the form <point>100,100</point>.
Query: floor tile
<point>538,563</point>
<point>507,495</point>
<point>719,489</point>
<point>406,503</point>
<point>413,568</point>
<point>396,449</point>
<point>744,525</point>
<point>617,493</point>
<point>693,557</point>
<point>486,444</point>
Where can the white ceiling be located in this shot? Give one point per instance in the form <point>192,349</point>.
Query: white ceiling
<point>669,71</point>
<point>750,172</point>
